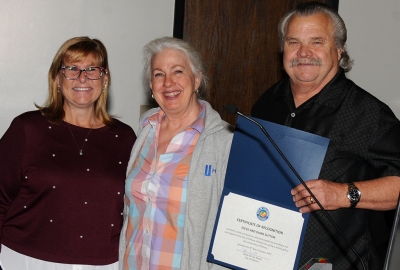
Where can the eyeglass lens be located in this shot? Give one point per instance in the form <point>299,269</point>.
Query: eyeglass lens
<point>73,73</point>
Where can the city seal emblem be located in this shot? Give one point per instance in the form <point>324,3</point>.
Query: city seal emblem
<point>262,213</point>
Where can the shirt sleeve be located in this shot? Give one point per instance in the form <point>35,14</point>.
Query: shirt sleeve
<point>12,147</point>
<point>384,148</point>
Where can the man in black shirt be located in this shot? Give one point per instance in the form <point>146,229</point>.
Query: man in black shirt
<point>359,178</point>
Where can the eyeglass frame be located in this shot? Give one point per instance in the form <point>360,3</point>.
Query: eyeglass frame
<point>83,70</point>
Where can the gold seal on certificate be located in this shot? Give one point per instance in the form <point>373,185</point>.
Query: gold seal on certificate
<point>257,234</point>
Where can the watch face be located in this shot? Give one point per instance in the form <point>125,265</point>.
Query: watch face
<point>354,194</point>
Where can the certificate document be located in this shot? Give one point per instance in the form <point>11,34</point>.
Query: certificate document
<point>252,234</point>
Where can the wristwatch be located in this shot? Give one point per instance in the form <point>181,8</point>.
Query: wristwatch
<point>354,194</point>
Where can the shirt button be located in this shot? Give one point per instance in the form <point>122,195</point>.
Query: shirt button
<point>292,114</point>
<point>146,231</point>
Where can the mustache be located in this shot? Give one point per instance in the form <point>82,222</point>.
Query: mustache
<point>311,61</point>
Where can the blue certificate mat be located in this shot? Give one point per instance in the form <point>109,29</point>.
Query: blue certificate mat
<point>256,171</point>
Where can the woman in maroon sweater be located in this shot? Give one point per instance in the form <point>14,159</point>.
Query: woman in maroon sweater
<point>62,170</point>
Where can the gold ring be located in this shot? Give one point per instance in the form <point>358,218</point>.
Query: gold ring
<point>311,199</point>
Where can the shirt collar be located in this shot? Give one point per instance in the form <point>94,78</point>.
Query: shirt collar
<point>328,96</point>
<point>198,124</point>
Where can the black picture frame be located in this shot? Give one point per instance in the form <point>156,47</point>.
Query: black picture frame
<point>179,18</point>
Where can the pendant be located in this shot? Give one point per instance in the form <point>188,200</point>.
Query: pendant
<point>80,152</point>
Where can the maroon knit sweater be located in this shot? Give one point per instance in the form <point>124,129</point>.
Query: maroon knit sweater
<point>56,205</point>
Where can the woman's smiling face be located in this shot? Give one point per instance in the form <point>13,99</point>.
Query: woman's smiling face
<point>173,82</point>
<point>81,92</point>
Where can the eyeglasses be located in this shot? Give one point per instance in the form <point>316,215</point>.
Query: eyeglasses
<point>73,73</point>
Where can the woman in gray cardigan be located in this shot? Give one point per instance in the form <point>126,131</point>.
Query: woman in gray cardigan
<point>177,167</point>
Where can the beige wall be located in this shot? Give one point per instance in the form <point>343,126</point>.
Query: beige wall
<point>374,43</point>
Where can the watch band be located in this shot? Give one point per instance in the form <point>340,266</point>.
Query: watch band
<point>353,194</point>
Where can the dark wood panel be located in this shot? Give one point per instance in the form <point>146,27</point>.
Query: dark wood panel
<point>239,44</point>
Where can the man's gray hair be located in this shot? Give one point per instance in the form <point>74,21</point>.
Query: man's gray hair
<point>192,55</point>
<point>339,33</point>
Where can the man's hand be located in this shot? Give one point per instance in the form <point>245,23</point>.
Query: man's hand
<point>331,195</point>
<point>379,194</point>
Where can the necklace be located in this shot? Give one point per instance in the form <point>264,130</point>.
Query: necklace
<point>73,137</point>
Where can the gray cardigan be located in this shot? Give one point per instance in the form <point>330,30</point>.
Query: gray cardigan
<point>204,189</point>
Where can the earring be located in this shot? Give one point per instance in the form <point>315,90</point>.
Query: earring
<point>58,89</point>
<point>152,96</point>
<point>196,91</point>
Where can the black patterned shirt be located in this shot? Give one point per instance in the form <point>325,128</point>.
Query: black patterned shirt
<point>364,144</point>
